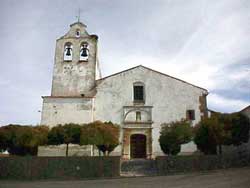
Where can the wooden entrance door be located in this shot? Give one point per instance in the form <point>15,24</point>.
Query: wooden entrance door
<point>138,146</point>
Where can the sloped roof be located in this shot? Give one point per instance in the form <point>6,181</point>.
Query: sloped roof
<point>78,23</point>
<point>153,71</point>
<point>245,108</point>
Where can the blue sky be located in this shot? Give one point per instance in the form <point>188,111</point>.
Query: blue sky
<point>205,42</point>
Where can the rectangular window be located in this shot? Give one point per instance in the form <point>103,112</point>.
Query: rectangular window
<point>138,116</point>
<point>138,93</point>
<point>190,115</point>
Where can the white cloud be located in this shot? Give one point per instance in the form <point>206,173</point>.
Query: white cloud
<point>201,41</point>
<point>222,104</point>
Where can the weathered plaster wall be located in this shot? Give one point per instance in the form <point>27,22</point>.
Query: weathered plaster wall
<point>73,78</point>
<point>169,97</point>
<point>67,110</point>
<point>60,150</point>
<point>71,81</point>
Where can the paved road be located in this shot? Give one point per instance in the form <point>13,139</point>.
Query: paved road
<point>232,178</point>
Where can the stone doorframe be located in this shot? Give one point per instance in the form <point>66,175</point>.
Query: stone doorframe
<point>127,132</point>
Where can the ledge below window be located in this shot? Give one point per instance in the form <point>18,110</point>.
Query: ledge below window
<point>139,102</point>
<point>138,122</point>
<point>82,61</point>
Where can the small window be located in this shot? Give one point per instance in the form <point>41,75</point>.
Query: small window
<point>138,93</point>
<point>84,52</point>
<point>190,115</point>
<point>68,49</point>
<point>138,116</point>
<point>77,33</point>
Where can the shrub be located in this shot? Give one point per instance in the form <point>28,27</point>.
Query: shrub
<point>221,129</point>
<point>173,135</point>
<point>105,136</point>
<point>65,134</point>
<point>204,137</point>
<point>240,129</point>
<point>22,140</point>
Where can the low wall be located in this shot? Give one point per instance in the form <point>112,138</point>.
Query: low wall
<point>74,150</point>
<point>21,168</point>
<point>176,164</point>
<point>60,150</point>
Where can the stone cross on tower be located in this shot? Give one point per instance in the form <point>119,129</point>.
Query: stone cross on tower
<point>79,15</point>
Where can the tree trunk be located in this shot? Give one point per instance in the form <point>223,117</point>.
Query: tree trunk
<point>67,150</point>
<point>220,149</point>
<point>92,150</point>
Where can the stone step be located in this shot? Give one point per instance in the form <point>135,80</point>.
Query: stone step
<point>138,167</point>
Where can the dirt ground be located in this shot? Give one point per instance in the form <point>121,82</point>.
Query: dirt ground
<point>229,178</point>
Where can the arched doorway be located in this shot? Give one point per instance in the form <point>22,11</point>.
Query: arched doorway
<point>138,146</point>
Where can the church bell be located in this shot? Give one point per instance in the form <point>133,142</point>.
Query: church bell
<point>68,53</point>
<point>84,52</point>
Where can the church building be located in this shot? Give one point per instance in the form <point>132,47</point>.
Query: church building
<point>139,99</point>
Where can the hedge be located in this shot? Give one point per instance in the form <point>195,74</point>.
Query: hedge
<point>28,168</point>
<point>178,164</point>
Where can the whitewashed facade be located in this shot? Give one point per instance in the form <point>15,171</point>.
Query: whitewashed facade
<point>138,99</point>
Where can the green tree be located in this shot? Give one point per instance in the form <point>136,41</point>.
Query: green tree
<point>105,136</point>
<point>173,135</point>
<point>7,135</point>
<point>65,134</point>
<point>240,127</point>
<point>221,129</point>
<point>211,133</point>
<point>22,140</point>
<point>204,137</point>
<point>56,135</point>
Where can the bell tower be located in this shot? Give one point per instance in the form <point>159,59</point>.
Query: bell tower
<point>75,63</point>
<point>74,79</point>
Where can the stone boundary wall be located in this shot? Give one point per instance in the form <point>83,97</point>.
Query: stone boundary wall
<point>178,164</point>
<point>60,150</point>
<point>29,168</point>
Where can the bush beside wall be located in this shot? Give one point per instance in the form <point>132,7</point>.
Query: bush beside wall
<point>23,168</point>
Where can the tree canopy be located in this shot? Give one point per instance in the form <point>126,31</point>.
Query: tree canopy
<point>207,134</point>
<point>22,140</point>
<point>174,134</point>
<point>105,136</point>
<point>65,134</point>
<point>221,129</point>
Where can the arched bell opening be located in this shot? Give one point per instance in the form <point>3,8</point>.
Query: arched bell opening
<point>68,52</point>
<point>84,51</point>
